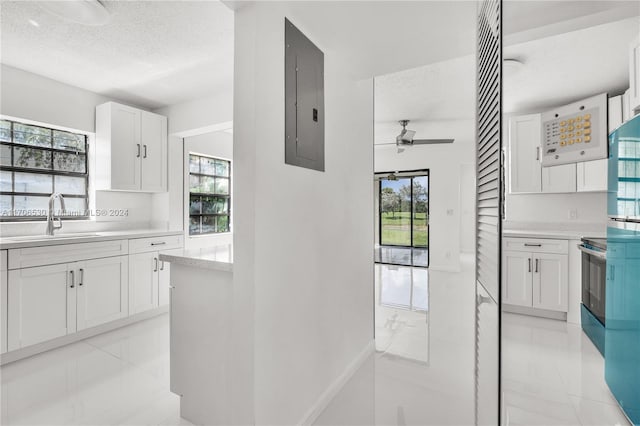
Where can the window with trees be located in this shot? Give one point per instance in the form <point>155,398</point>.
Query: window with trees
<point>36,161</point>
<point>404,210</point>
<point>209,195</point>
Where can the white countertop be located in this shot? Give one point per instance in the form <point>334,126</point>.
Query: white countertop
<point>216,257</point>
<point>568,231</point>
<point>81,237</point>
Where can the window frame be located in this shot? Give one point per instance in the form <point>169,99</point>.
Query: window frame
<point>207,194</point>
<point>13,169</point>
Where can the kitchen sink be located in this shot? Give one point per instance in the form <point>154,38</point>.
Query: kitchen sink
<point>52,237</point>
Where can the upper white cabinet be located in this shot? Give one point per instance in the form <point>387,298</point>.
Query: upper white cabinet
<point>131,149</point>
<point>524,154</point>
<point>526,174</point>
<point>634,75</point>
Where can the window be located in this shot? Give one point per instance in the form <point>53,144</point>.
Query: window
<point>36,161</point>
<point>209,199</point>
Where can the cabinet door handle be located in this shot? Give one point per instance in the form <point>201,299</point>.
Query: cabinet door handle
<point>138,154</point>
<point>159,244</point>
<point>538,153</point>
<point>155,264</point>
<point>529,264</point>
<point>613,272</point>
<point>532,245</point>
<point>162,265</point>
<point>81,277</point>
<point>73,279</point>
<point>145,151</point>
<point>537,260</point>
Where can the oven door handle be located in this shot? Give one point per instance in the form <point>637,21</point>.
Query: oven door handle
<point>598,254</point>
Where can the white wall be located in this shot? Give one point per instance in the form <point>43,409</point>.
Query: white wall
<point>303,262</point>
<point>445,163</point>
<point>215,144</point>
<point>31,97</point>
<point>191,118</point>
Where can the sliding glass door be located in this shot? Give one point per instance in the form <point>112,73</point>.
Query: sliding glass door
<point>404,210</point>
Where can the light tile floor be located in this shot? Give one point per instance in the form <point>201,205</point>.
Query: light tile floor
<point>117,378</point>
<point>421,373</point>
<point>553,375</point>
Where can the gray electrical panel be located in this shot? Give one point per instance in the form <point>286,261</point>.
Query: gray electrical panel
<point>304,100</point>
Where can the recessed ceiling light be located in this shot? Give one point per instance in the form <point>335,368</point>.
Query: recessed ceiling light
<point>34,23</point>
<point>86,12</point>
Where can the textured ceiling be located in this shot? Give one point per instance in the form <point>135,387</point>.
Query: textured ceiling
<point>151,53</point>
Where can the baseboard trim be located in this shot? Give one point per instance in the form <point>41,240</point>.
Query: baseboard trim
<point>38,348</point>
<point>327,396</point>
<point>542,313</point>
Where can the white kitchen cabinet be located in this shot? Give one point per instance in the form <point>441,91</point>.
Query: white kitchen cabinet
<point>163,283</point>
<point>42,303</point>
<point>634,75</point>
<point>516,278</point>
<point>131,148</point>
<point>559,178</point>
<point>102,291</point>
<point>526,174</point>
<point>143,282</point>
<point>525,170</point>
<point>535,273</point>
<point>3,301</point>
<point>551,281</point>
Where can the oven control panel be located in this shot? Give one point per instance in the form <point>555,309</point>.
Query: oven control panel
<point>575,132</point>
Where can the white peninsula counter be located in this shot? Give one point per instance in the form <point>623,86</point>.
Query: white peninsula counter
<point>201,310</point>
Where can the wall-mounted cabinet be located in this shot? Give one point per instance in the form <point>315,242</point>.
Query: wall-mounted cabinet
<point>131,149</point>
<point>526,174</point>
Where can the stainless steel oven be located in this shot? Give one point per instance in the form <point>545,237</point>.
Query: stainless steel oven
<point>594,275</point>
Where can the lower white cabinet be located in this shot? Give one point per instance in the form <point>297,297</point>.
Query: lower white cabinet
<point>163,283</point>
<point>148,282</point>
<point>42,303</point>
<point>102,291</point>
<point>534,278</point>
<point>143,282</point>
<point>55,300</point>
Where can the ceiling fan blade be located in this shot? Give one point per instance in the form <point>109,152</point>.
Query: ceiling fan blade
<point>431,141</point>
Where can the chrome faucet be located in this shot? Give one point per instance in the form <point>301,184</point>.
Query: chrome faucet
<point>50,219</point>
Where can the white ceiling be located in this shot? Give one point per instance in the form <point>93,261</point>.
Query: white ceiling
<point>560,66</point>
<point>151,53</point>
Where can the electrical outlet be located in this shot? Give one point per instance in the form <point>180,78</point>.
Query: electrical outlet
<point>573,213</point>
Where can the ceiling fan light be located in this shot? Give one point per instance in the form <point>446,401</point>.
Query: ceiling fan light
<point>85,12</point>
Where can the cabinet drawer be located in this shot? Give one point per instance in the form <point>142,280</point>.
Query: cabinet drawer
<point>65,253</point>
<point>141,245</point>
<point>536,245</point>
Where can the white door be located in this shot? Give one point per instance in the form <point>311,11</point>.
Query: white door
<point>126,148</point>
<point>143,282</point>
<point>524,153</point>
<point>551,281</point>
<point>163,283</point>
<point>154,152</point>
<point>42,303</point>
<point>557,179</point>
<point>102,290</point>
<point>516,278</point>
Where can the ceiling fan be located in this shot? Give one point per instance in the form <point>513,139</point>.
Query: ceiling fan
<point>406,137</point>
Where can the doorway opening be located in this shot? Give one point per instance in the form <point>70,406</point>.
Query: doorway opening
<point>402,216</point>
